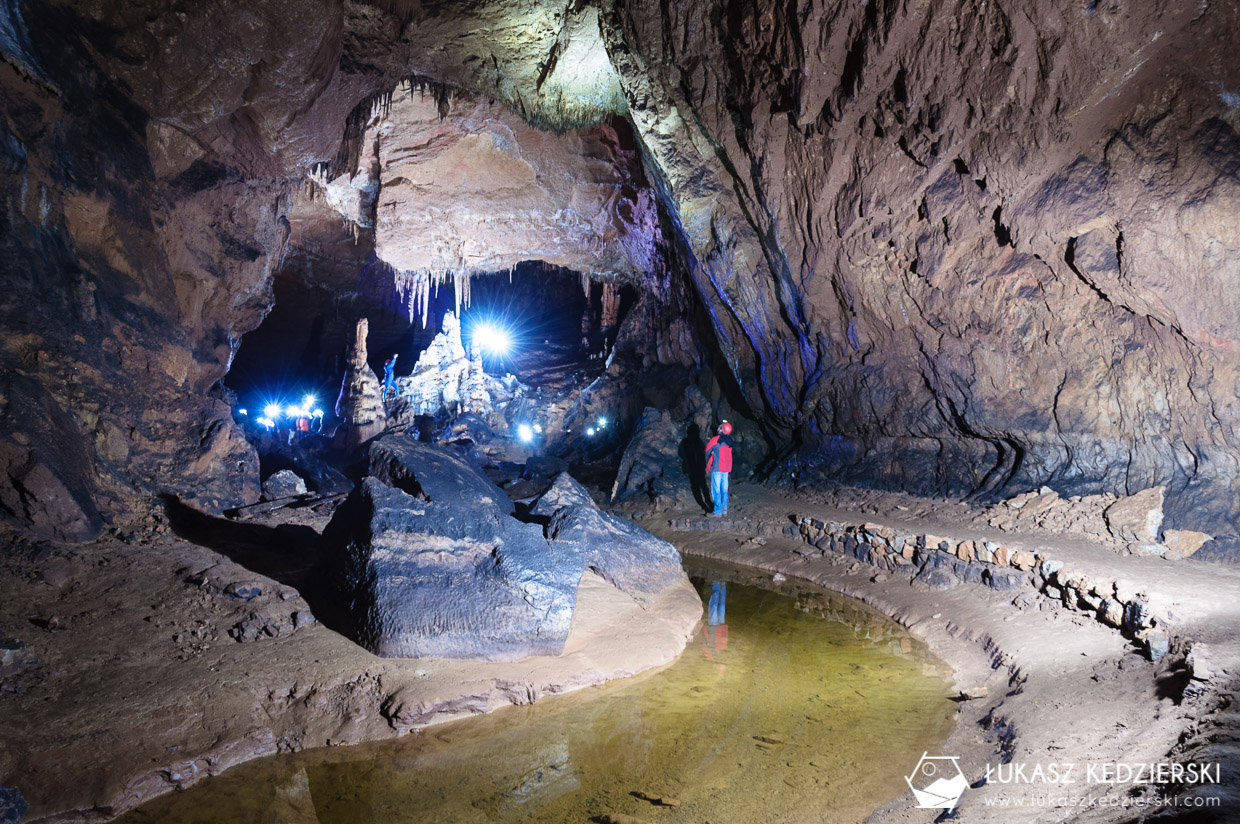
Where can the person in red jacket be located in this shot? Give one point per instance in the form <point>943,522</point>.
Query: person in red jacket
<point>719,464</point>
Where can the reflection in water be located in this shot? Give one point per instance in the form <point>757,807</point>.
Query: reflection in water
<point>715,630</point>
<point>807,708</point>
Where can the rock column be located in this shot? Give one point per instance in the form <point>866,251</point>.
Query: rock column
<point>361,395</point>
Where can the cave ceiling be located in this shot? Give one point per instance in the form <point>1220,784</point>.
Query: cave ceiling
<point>456,185</point>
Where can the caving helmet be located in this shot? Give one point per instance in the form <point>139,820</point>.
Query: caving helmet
<point>725,428</point>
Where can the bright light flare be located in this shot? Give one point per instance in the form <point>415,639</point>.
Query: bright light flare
<point>318,413</point>
<point>272,410</point>
<point>590,431</point>
<point>524,433</point>
<point>491,339</point>
<point>602,423</point>
<point>309,401</point>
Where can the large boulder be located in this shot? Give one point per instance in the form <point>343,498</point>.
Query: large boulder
<point>283,484</point>
<point>438,473</point>
<point>446,578</point>
<point>426,559</point>
<point>653,467</point>
<point>1137,518</point>
<point>622,553</point>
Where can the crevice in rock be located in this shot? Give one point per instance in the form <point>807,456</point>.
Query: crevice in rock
<point>1002,235</point>
<point>1069,257</point>
<point>854,62</point>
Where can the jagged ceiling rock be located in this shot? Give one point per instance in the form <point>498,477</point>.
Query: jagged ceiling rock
<point>546,60</point>
<point>462,185</point>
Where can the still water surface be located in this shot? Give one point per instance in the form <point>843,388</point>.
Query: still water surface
<point>789,706</point>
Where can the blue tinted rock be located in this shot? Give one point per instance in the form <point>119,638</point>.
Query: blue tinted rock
<point>935,579</point>
<point>447,578</point>
<point>12,806</point>
<point>436,473</point>
<point>624,554</point>
<point>1002,580</point>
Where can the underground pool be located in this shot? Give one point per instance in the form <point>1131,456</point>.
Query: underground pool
<point>791,704</point>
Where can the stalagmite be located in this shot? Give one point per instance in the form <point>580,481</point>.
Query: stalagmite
<point>360,404</point>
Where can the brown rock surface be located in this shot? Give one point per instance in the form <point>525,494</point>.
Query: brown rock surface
<point>462,186</point>
<point>1137,518</point>
<point>949,247</point>
<point>964,245</point>
<point>1182,543</point>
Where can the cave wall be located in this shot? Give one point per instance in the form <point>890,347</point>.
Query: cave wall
<point>148,158</point>
<point>963,247</point>
<point>957,247</point>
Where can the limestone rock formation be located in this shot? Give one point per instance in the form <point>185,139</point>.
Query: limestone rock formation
<point>651,464</point>
<point>446,380</point>
<point>426,559</point>
<point>447,579</point>
<point>665,460</point>
<point>283,484</point>
<point>435,473</point>
<point>491,191</point>
<point>360,404</point>
<point>1182,543</point>
<point>947,247</point>
<point>959,247</point>
<point>624,554</point>
<point>1137,518</point>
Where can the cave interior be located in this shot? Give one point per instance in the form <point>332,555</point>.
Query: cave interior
<point>959,251</point>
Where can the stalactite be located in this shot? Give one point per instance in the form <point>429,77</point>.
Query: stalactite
<point>442,93</point>
<point>415,289</point>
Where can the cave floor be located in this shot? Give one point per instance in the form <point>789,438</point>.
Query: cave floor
<point>131,682</point>
<point>1062,687</point>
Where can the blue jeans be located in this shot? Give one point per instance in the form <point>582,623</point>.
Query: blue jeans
<point>719,492</point>
<point>717,604</point>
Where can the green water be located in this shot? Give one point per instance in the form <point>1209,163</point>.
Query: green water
<point>846,699</point>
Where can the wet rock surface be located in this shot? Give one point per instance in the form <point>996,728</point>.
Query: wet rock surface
<point>446,579</point>
<point>440,473</point>
<point>178,597</point>
<point>622,553</point>
<point>427,560</point>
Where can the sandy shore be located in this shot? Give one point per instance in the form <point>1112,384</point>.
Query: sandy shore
<point>139,688</point>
